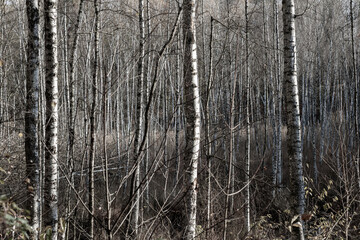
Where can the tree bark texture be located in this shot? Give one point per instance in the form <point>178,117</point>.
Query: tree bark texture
<point>139,119</point>
<point>293,113</point>
<point>91,162</point>
<point>248,129</point>
<point>356,80</point>
<point>31,117</point>
<point>51,129</point>
<point>192,111</point>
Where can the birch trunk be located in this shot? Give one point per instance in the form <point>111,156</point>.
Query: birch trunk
<point>293,114</point>
<point>178,114</point>
<point>279,102</point>
<point>31,117</point>
<point>51,130</point>
<point>192,111</point>
<point>248,130</point>
<point>91,204</point>
<point>147,77</point>
<point>138,119</point>
<point>106,160</point>
<point>207,129</point>
<point>355,79</point>
<point>71,117</point>
<point>71,89</point>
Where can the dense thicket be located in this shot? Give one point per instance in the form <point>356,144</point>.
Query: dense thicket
<point>128,119</point>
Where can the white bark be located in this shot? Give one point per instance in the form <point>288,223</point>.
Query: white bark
<point>91,204</point>
<point>192,111</point>
<point>51,131</point>
<point>106,161</point>
<point>139,118</point>
<point>248,130</point>
<point>293,112</point>
<point>279,102</point>
<point>207,129</point>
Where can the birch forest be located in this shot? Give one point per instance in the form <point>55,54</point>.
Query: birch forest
<point>179,119</point>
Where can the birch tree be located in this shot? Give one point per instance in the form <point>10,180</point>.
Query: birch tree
<point>278,122</point>
<point>248,129</point>
<point>71,104</point>
<point>51,129</point>
<point>192,111</point>
<point>207,128</point>
<point>139,118</point>
<point>297,201</point>
<point>356,80</point>
<point>31,117</point>
<point>91,163</point>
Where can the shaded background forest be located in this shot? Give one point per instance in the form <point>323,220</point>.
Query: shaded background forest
<point>328,73</point>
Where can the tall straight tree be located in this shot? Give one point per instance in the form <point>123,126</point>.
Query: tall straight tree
<point>91,162</point>
<point>72,111</point>
<point>356,80</point>
<point>278,124</point>
<point>31,117</point>
<point>71,89</point>
<point>208,123</point>
<point>51,129</point>
<point>293,114</point>
<point>139,118</point>
<point>192,111</point>
<point>248,130</point>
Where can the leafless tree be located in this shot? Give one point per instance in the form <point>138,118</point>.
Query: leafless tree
<point>51,216</point>
<point>31,117</point>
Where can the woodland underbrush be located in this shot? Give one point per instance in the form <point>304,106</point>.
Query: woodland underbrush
<point>332,211</point>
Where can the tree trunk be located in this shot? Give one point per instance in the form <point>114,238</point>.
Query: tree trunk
<point>51,131</point>
<point>91,179</point>
<point>208,121</point>
<point>355,79</point>
<point>248,130</point>
<point>72,111</point>
<point>192,111</point>
<point>31,117</point>
<point>138,121</point>
<point>293,115</point>
<point>105,159</point>
<point>279,102</point>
